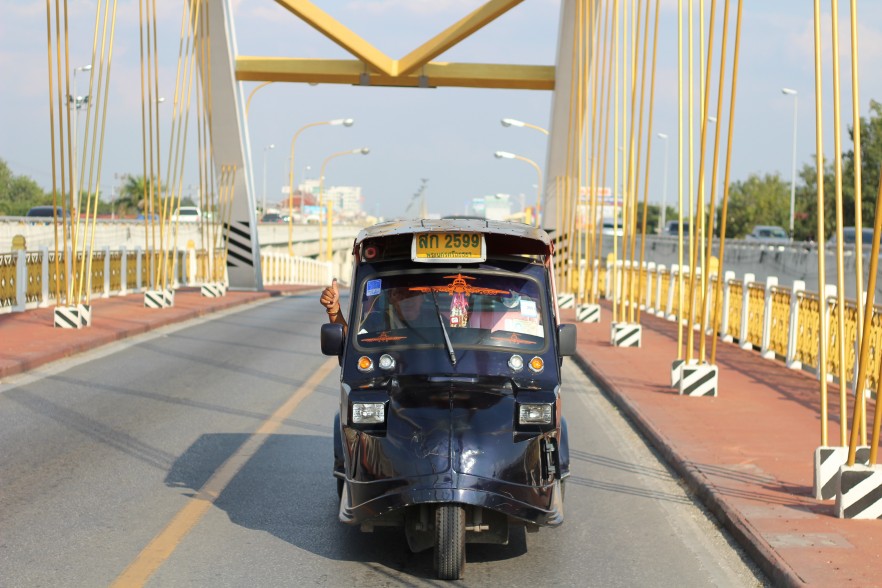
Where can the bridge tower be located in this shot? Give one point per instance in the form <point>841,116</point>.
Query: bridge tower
<point>230,141</point>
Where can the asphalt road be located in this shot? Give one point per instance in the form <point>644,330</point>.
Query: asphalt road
<point>200,455</point>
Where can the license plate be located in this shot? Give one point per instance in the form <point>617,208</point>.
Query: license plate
<point>449,248</point>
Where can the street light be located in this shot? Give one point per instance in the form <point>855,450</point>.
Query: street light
<point>512,122</point>
<point>346,122</point>
<point>330,204</point>
<point>265,149</point>
<point>664,206</point>
<point>507,155</point>
<point>78,102</point>
<point>795,94</point>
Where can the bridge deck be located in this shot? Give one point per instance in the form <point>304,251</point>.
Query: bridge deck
<point>746,453</point>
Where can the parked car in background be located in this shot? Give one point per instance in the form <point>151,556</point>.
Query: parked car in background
<point>610,227</point>
<point>273,217</point>
<point>849,236</point>
<point>44,214</point>
<point>187,214</point>
<point>771,234</point>
<point>672,229</point>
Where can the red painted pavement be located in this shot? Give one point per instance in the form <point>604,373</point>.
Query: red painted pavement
<point>747,453</point>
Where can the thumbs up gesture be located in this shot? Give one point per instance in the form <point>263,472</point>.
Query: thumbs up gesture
<point>330,298</point>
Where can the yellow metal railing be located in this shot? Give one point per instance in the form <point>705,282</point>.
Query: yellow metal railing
<point>756,299</point>
<point>835,340</point>
<point>7,280</point>
<point>662,303</point>
<point>780,320</point>
<point>808,328</point>
<point>736,297</point>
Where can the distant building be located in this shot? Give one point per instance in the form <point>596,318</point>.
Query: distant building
<point>492,206</point>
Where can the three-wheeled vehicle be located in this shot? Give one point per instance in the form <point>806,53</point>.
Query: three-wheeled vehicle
<point>450,421</point>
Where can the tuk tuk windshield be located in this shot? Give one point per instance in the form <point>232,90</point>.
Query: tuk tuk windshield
<point>478,309</point>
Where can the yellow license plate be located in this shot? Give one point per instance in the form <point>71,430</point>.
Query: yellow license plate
<point>448,247</point>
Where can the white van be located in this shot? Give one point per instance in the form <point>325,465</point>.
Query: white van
<point>187,214</point>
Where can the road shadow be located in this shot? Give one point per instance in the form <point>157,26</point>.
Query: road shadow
<point>286,489</point>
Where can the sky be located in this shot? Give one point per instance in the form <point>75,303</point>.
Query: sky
<point>445,135</point>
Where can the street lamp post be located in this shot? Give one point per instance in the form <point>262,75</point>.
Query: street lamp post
<point>330,204</point>
<point>507,155</point>
<point>78,102</point>
<point>664,205</point>
<point>269,147</point>
<point>346,122</point>
<point>795,94</point>
<point>513,122</point>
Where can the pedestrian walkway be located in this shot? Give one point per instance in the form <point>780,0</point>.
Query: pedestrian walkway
<point>28,339</point>
<point>746,453</point>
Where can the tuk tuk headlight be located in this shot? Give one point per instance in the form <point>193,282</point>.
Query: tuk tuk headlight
<point>368,413</point>
<point>534,414</point>
<point>537,365</point>
<point>516,363</point>
<point>387,362</point>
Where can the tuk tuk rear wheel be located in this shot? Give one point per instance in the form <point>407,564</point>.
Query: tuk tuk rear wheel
<point>449,541</point>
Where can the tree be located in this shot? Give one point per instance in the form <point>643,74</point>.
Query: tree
<point>757,201</point>
<point>19,193</point>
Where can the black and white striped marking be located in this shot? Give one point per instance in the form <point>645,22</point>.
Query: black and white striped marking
<point>699,380</point>
<point>240,249</point>
<point>676,366</point>
<point>159,298</point>
<point>566,300</point>
<point>828,461</point>
<point>212,290</point>
<point>627,335</point>
<point>859,494</point>
<point>588,313</point>
<point>85,312</point>
<point>67,317</point>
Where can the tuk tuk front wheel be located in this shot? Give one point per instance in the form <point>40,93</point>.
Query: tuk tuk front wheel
<point>450,531</point>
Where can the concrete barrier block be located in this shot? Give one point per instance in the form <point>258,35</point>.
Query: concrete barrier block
<point>85,312</point>
<point>700,379</point>
<point>859,492</point>
<point>67,317</point>
<point>828,460</point>
<point>566,300</point>
<point>588,313</point>
<point>627,335</point>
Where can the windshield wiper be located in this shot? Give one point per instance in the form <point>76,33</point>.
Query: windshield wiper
<point>444,329</point>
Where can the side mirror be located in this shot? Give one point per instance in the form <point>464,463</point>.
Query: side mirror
<point>332,339</point>
<point>566,339</point>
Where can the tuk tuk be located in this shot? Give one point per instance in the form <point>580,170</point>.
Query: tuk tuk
<point>450,422</point>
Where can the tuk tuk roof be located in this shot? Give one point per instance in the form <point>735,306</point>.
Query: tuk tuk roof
<point>501,229</point>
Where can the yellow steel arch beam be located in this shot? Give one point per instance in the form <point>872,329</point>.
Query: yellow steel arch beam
<point>453,35</point>
<point>434,74</point>
<point>360,48</point>
<point>338,33</point>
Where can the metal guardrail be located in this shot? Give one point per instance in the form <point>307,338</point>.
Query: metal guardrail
<point>780,322</point>
<point>27,278</point>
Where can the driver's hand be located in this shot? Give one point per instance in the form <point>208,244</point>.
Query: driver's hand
<point>330,298</point>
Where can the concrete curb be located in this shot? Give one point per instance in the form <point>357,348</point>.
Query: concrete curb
<point>732,520</point>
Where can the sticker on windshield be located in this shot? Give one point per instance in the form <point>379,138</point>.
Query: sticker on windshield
<point>524,327</point>
<point>528,308</point>
<point>374,287</point>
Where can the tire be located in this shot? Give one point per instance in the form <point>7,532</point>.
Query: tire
<point>339,488</point>
<point>449,541</point>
